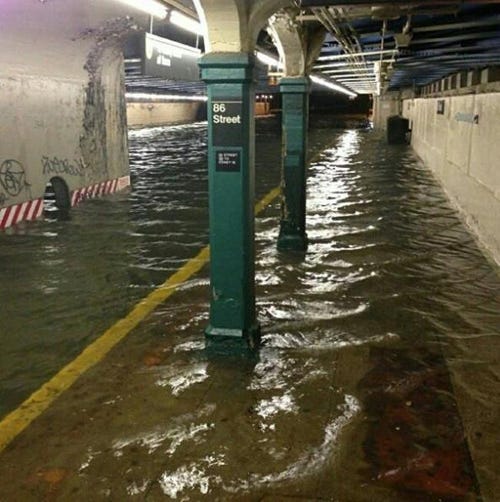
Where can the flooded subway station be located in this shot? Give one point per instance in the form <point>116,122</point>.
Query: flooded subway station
<point>364,366</point>
<point>376,375</point>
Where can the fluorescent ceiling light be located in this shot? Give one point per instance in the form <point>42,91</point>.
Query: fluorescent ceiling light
<point>356,79</point>
<point>153,7</point>
<point>349,55</point>
<point>330,85</point>
<point>269,60</point>
<point>345,73</point>
<point>186,23</point>
<point>355,71</point>
<point>159,98</point>
<point>336,65</point>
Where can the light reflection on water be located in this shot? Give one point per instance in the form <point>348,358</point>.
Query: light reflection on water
<point>385,265</point>
<point>65,283</point>
<point>390,275</point>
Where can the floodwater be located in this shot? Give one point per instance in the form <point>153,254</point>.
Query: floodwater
<point>361,390</point>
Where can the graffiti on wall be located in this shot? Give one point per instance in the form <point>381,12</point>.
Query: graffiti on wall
<point>57,166</point>
<point>12,180</point>
<point>12,177</point>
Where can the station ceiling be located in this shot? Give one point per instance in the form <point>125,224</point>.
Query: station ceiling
<point>371,47</point>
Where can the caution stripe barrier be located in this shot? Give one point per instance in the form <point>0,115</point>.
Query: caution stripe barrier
<point>103,188</point>
<point>29,210</point>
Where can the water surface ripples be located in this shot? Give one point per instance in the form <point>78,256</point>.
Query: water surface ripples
<point>374,322</point>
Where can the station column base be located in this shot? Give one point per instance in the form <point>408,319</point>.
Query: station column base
<point>225,338</point>
<point>291,239</point>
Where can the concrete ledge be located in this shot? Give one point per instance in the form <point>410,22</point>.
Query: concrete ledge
<point>147,113</point>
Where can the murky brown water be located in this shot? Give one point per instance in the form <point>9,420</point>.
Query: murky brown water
<point>63,283</point>
<point>353,395</point>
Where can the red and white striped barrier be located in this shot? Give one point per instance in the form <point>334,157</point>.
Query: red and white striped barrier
<point>29,210</point>
<point>103,188</point>
<point>33,209</point>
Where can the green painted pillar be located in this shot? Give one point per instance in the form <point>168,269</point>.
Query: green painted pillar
<point>295,119</point>
<point>231,165</point>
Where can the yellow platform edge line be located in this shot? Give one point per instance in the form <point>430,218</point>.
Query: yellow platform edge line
<point>19,419</point>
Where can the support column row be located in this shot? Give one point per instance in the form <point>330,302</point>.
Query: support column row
<point>231,163</point>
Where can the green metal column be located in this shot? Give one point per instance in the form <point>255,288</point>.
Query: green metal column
<point>231,165</point>
<point>295,112</point>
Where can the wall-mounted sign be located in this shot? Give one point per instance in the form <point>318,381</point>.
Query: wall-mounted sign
<point>471,118</point>
<point>440,106</point>
<point>226,122</point>
<point>228,161</point>
<point>167,59</point>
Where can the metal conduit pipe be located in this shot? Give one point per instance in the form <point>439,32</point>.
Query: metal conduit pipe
<point>337,23</point>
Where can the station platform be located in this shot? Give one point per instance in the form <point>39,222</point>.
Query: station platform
<point>377,375</point>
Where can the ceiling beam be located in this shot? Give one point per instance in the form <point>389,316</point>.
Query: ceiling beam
<point>181,7</point>
<point>456,38</point>
<point>490,20</point>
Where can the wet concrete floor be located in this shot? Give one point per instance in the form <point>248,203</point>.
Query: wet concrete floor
<point>376,380</point>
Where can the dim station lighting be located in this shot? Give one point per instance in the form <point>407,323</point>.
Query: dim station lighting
<point>152,7</point>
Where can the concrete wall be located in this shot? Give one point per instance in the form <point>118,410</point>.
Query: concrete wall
<point>383,107</point>
<point>144,114</point>
<point>462,147</point>
<point>62,107</point>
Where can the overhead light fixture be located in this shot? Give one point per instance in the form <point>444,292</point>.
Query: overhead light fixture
<point>358,80</point>
<point>186,23</point>
<point>334,87</point>
<point>347,73</point>
<point>269,60</point>
<point>162,98</point>
<point>152,7</point>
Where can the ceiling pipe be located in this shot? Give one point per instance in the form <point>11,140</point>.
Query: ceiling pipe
<point>337,23</point>
<point>364,3</point>
<point>346,56</point>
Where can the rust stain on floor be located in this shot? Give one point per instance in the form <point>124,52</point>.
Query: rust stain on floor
<point>416,441</point>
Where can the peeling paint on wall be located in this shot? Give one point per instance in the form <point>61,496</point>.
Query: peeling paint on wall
<point>107,47</point>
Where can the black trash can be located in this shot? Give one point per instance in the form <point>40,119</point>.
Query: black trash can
<point>397,130</point>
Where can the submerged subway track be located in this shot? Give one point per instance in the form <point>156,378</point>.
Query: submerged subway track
<point>376,376</point>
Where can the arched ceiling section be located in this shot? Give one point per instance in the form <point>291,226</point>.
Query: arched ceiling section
<point>290,41</point>
<point>225,23</point>
<point>262,10</point>
<point>234,25</point>
<point>298,44</point>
